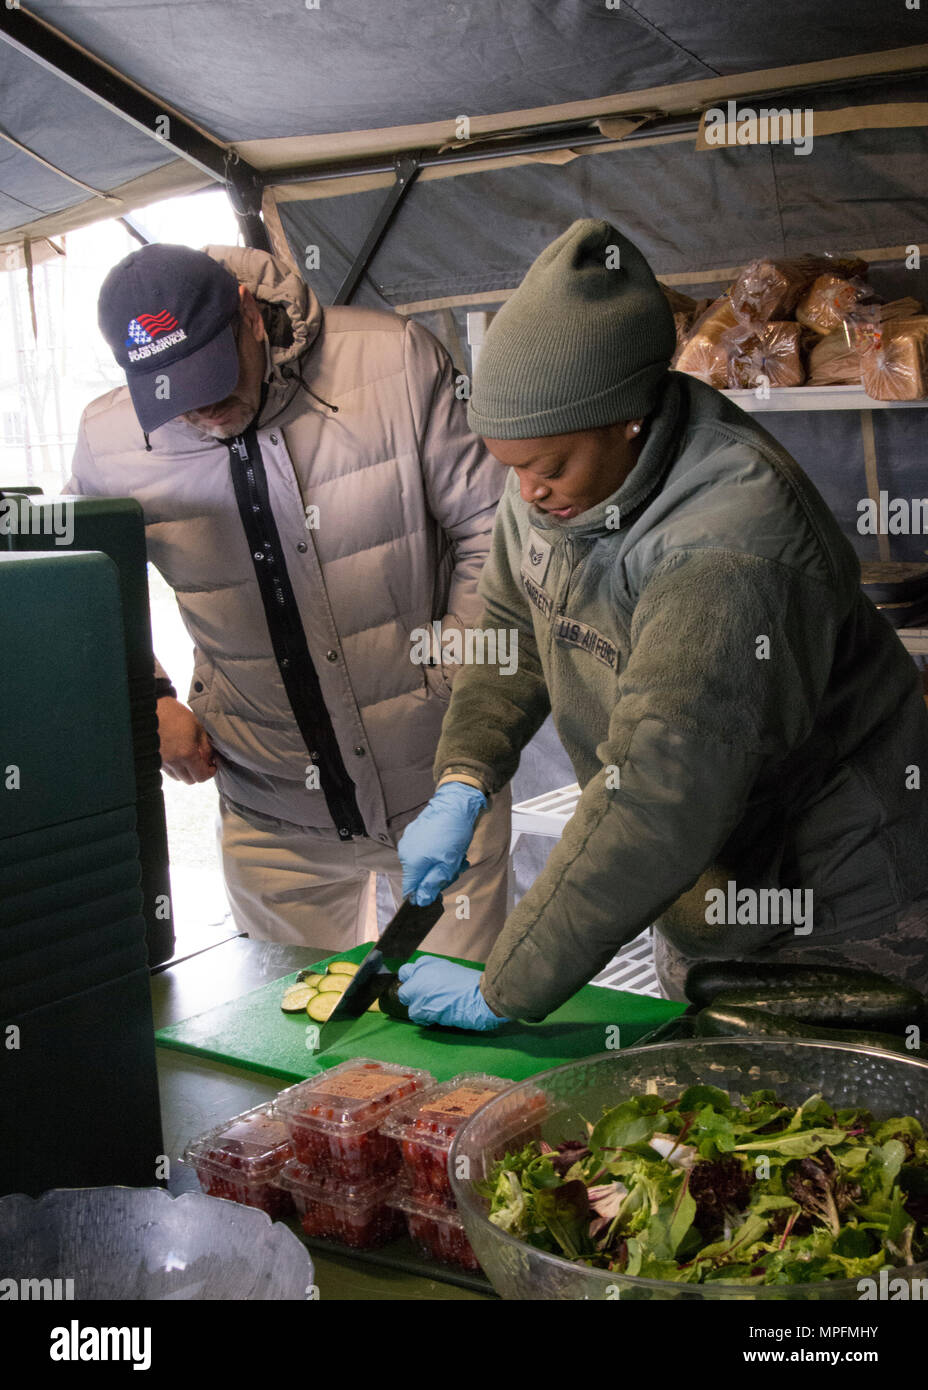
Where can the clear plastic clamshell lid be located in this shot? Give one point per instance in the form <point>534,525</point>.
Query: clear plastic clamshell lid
<point>436,1115</point>
<point>253,1144</point>
<point>353,1095</point>
<point>307,1183</point>
<point>403,1198</point>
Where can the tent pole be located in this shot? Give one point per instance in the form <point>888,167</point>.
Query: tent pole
<point>575,137</point>
<point>556,135</point>
<point>406,167</point>
<point>133,230</point>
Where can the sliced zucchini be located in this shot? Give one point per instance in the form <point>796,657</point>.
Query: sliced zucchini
<point>309,977</point>
<point>343,967</point>
<point>296,998</point>
<point>322,1006</point>
<point>334,984</point>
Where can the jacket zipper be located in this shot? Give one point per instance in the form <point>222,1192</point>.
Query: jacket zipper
<point>569,551</point>
<point>288,638</point>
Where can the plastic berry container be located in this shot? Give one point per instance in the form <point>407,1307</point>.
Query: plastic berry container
<point>359,1214</point>
<point>334,1119</point>
<point>425,1127</point>
<point>436,1231</point>
<point>242,1159</point>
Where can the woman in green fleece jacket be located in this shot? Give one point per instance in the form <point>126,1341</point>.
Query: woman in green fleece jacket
<point>748,732</point>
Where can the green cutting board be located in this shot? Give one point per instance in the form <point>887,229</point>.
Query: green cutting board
<point>253,1032</point>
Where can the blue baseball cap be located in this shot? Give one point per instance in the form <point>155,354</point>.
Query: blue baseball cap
<point>168,314</point>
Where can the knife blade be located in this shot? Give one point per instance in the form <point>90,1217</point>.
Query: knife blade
<point>405,931</point>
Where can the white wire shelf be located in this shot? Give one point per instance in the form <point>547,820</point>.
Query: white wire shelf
<point>633,968</point>
<point>815,398</point>
<point>914,639</point>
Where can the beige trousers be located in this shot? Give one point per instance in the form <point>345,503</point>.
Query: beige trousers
<point>287,883</point>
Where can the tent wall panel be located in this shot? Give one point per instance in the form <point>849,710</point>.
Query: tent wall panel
<point>247,72</point>
<point>70,131</point>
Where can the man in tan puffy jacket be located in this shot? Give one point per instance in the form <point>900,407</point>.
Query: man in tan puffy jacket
<point>314,497</point>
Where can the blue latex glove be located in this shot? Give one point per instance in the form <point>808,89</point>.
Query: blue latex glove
<point>436,991</point>
<point>433,846</point>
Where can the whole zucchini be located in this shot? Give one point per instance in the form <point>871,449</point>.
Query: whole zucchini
<point>731,1022</point>
<point>390,1004</point>
<point>854,995</point>
<point>888,1007</point>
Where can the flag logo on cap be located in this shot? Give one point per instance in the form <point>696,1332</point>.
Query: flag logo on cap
<point>146,327</point>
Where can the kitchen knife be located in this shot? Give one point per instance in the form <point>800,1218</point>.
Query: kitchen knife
<point>405,931</point>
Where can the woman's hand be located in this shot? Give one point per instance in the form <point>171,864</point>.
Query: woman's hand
<point>438,991</point>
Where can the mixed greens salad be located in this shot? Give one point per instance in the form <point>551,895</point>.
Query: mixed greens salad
<point>703,1188</point>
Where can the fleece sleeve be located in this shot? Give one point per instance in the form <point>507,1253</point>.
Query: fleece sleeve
<point>729,657</point>
<point>496,706</point>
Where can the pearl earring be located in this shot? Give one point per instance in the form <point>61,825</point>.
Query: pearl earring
<point>636,429</point>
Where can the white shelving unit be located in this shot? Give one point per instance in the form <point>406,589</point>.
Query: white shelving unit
<point>914,639</point>
<point>816,398</point>
<point>544,815</point>
<point>633,968</point>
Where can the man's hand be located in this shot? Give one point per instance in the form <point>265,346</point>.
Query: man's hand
<point>186,752</point>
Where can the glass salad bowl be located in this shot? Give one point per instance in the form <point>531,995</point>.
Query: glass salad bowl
<point>141,1243</point>
<point>844,1074</point>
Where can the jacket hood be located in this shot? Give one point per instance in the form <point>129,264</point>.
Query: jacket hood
<point>293,314</point>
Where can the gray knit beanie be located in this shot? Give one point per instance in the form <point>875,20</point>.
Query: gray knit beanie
<point>585,341</point>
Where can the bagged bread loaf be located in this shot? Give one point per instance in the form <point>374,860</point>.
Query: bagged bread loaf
<point>828,301</point>
<point>771,355</point>
<point>894,365</point>
<point>704,354</point>
<point>905,308</point>
<point>835,359</point>
<point>865,321</point>
<point>766,291</point>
